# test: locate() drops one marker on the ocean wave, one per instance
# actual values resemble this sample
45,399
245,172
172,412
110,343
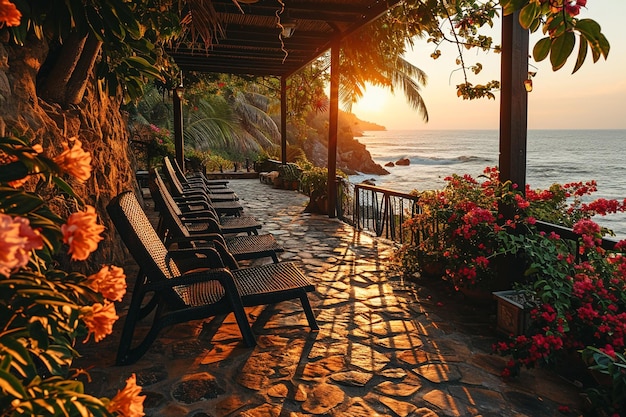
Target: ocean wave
437,160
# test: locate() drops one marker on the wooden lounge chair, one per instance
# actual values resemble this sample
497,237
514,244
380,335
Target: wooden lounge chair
207,289
229,208
203,219
198,176
174,231
216,194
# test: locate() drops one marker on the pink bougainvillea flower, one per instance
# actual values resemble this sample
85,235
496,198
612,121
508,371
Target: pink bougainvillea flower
110,281
17,239
128,402
9,15
99,319
82,233
75,161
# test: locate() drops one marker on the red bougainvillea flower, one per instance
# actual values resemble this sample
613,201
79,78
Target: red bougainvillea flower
82,233
572,7
9,15
128,402
110,281
99,319
75,161
17,239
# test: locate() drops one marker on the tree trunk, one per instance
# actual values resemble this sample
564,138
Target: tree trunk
80,77
55,84
96,120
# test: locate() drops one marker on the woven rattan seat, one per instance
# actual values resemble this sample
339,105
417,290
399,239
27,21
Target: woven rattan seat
179,286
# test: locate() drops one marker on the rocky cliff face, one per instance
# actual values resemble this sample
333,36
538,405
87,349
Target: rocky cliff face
352,156
96,120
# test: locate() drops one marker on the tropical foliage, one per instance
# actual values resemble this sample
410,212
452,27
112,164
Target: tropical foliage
44,310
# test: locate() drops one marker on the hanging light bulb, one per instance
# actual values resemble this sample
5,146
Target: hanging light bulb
528,85
528,82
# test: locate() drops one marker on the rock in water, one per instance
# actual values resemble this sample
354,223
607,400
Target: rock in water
403,161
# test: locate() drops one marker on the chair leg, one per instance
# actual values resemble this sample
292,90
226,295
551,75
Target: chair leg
244,327
308,311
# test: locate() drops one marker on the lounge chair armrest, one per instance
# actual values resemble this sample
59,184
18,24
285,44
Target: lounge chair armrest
186,204
202,227
204,257
229,260
199,238
201,214
223,275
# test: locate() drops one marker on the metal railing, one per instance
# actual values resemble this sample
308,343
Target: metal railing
376,210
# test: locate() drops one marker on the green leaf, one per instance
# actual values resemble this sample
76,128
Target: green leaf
143,66
528,14
65,187
542,49
603,46
111,22
11,385
582,54
13,171
561,49
128,19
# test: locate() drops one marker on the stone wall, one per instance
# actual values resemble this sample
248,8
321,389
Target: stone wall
96,120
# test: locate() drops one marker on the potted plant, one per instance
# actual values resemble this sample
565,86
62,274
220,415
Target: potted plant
289,176
314,183
424,255
575,305
458,225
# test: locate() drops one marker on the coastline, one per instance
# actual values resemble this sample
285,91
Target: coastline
553,156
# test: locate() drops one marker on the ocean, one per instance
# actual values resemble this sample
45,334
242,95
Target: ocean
553,156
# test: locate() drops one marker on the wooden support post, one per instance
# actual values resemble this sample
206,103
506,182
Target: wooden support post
179,144
283,119
513,123
332,128
513,101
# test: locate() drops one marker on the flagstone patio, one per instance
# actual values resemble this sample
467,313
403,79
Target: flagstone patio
386,347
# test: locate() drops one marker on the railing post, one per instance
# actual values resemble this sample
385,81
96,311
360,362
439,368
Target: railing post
357,207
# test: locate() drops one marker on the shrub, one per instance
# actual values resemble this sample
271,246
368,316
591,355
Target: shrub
45,310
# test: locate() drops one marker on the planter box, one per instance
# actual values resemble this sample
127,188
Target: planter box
512,315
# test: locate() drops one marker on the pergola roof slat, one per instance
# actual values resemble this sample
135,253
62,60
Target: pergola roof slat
250,42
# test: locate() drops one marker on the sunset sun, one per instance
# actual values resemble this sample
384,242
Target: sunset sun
373,101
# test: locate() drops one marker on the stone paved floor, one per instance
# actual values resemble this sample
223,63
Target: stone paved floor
385,348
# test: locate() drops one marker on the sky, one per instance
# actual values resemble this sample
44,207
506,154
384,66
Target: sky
592,98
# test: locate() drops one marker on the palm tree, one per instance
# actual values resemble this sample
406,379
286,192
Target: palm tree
374,55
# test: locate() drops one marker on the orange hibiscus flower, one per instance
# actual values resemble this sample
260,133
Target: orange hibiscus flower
110,281
128,402
17,239
99,319
9,15
75,161
82,233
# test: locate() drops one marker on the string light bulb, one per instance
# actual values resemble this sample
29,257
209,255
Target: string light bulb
528,82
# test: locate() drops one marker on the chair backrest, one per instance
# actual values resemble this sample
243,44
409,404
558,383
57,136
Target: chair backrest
176,187
140,237
178,171
170,210
160,194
